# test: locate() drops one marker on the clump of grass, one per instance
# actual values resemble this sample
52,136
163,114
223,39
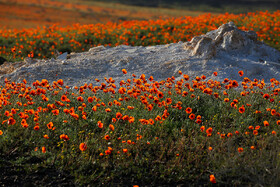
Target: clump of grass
141,131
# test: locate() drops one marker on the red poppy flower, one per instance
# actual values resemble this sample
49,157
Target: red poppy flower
241,73
124,71
192,116
242,109
36,127
83,147
90,99
266,96
265,123
209,130
100,125
80,98
212,179
118,115
107,137
188,110
240,149
50,125
44,149
111,127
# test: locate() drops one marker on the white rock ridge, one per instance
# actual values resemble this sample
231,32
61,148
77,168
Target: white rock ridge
226,50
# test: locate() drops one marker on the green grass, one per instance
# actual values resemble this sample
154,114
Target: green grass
168,152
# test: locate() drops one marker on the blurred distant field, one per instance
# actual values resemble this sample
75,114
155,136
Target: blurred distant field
221,6
32,13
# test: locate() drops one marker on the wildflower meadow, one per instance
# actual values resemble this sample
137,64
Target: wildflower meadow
46,42
192,131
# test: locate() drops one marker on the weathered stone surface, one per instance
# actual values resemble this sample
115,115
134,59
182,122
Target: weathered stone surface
227,38
63,56
226,50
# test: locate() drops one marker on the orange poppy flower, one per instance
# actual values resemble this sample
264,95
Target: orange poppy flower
108,152
229,135
150,107
100,125
209,130
202,128
44,149
83,147
241,73
198,121
226,99
46,136
160,95
64,137
94,108
240,149
188,110
114,120
273,112
63,98
90,99
111,127
232,104
50,125
60,81
192,116
80,98
265,123
55,112
124,71
212,179
130,107
36,127
108,110
84,117
125,118
107,137
11,121
266,96
242,109
118,115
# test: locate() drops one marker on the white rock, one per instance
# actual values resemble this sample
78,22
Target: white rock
63,56
226,50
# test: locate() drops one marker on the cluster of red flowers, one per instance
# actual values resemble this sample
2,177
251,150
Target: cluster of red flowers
43,43
150,96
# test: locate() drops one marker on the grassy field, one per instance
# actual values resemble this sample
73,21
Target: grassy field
33,13
192,132
141,132
46,42
220,6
